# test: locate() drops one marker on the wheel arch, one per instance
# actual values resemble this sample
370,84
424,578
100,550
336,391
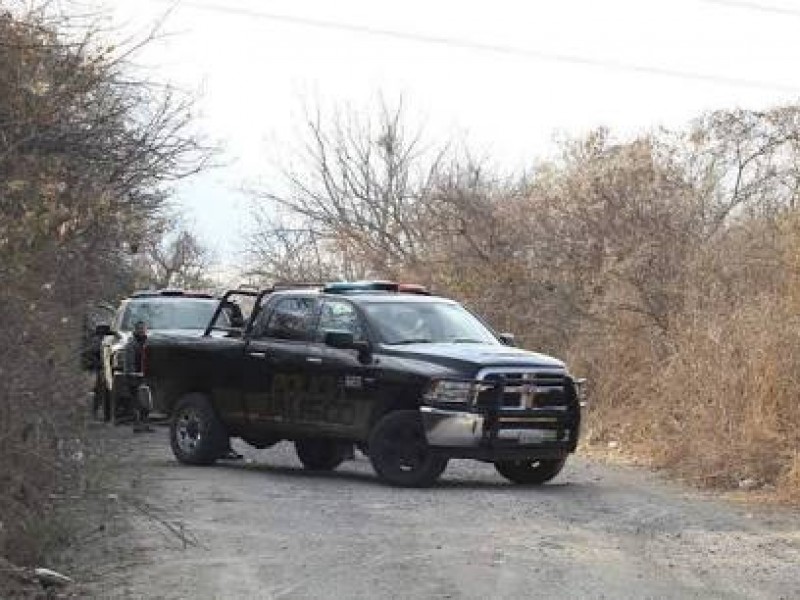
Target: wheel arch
394,402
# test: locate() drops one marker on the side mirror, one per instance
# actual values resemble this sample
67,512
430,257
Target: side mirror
506,338
343,340
103,330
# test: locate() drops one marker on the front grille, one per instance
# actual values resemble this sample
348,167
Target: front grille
527,389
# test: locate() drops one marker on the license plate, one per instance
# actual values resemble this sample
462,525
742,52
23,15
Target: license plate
535,436
529,436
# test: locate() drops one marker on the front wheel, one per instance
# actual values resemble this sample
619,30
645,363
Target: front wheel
530,472
321,455
399,452
196,434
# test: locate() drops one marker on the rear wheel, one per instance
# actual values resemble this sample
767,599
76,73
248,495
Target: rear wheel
321,455
197,436
400,453
101,400
114,406
530,472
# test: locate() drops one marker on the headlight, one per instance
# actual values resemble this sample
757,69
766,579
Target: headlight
444,391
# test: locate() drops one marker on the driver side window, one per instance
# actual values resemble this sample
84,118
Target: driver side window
338,315
291,319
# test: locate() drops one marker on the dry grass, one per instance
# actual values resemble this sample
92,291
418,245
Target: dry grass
718,408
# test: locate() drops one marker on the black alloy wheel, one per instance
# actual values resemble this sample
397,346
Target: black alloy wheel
197,436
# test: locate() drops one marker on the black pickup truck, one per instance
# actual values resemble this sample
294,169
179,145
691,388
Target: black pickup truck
409,378
171,311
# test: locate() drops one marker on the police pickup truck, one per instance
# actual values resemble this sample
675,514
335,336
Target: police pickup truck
410,378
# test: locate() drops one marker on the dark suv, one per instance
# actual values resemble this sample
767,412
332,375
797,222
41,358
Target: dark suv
411,379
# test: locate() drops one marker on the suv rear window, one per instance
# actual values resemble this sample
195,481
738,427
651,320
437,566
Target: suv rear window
170,313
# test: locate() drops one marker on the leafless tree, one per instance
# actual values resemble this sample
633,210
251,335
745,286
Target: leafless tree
745,162
360,185
178,260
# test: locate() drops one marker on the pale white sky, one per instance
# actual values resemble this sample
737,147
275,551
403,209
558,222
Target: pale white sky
254,72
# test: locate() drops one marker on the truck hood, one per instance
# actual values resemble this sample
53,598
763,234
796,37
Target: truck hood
471,357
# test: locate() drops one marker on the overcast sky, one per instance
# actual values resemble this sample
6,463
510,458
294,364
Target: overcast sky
506,76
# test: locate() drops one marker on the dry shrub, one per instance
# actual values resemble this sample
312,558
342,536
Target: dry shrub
42,399
789,482
85,152
728,396
717,407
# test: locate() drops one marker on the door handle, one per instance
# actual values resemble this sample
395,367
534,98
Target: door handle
314,359
258,354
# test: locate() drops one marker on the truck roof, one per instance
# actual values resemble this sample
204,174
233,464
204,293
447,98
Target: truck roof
363,295
374,289
391,297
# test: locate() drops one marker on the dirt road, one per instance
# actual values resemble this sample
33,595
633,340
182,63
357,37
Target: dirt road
266,529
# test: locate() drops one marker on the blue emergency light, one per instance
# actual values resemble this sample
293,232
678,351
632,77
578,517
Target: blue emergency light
341,287
347,287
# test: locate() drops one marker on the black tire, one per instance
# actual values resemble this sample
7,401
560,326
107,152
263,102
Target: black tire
101,399
320,455
530,472
114,407
399,452
109,406
196,434
120,406
261,443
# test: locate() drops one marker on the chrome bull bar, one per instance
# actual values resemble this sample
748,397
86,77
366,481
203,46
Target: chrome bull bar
495,426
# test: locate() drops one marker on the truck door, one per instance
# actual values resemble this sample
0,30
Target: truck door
275,363
342,386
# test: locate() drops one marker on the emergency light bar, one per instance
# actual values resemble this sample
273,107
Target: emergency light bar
360,286
344,287
413,288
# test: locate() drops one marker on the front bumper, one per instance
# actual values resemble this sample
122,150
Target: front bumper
494,433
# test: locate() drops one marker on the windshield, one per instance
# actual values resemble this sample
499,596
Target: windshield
172,313
426,322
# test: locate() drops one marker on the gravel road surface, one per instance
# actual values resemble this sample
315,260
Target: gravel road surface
264,528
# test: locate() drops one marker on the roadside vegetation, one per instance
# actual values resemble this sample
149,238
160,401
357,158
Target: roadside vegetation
665,269
87,151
